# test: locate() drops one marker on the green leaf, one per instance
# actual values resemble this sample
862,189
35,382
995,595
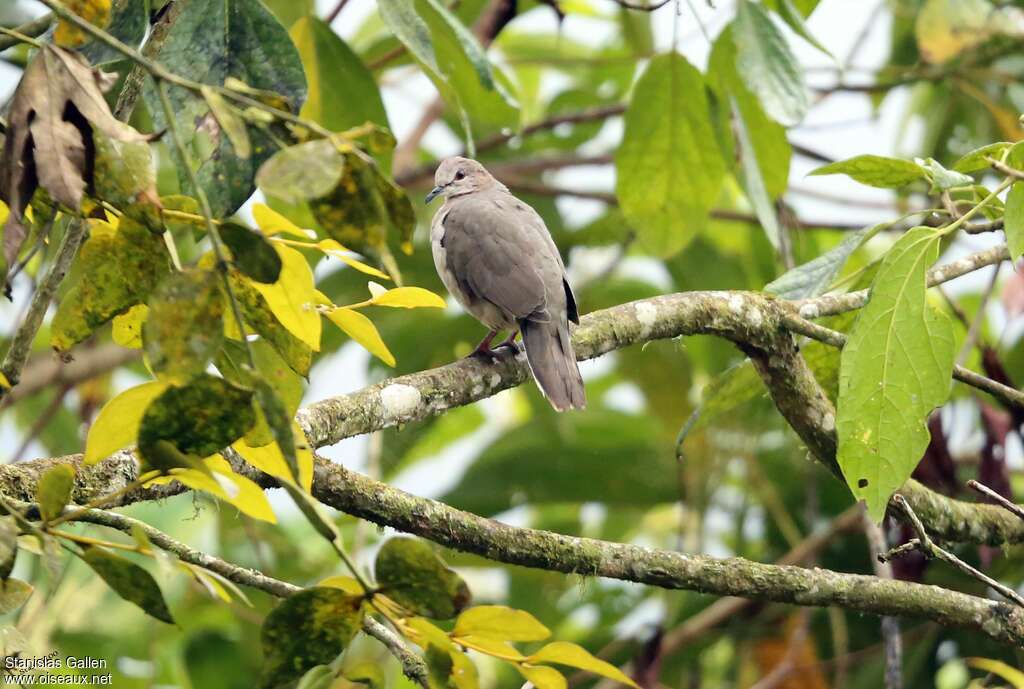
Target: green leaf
212,41
453,59
117,425
130,581
794,16
753,182
1014,221
307,629
302,172
573,655
117,268
183,330
814,277
198,419
500,622
977,159
766,63
13,594
329,61
943,179
875,171
771,148
667,137
251,253
895,369
53,491
410,573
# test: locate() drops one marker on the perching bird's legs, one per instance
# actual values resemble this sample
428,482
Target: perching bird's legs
510,341
484,348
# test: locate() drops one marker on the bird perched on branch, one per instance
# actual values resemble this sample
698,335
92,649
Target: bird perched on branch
496,257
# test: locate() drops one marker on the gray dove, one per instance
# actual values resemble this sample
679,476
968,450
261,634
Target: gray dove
496,257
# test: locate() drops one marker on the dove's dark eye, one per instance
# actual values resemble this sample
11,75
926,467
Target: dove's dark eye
459,175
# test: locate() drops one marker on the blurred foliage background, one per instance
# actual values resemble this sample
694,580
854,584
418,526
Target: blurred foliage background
914,78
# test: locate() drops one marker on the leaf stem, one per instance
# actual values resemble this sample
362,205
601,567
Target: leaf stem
1003,186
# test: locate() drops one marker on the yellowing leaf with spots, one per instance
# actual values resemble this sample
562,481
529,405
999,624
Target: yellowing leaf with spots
96,12
292,299
273,223
224,483
362,330
127,327
117,425
408,298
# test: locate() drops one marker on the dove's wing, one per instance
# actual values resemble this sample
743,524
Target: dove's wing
499,250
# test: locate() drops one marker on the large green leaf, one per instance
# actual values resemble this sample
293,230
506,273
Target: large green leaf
574,461
452,58
768,138
769,67
814,277
130,581
307,629
1014,220
211,41
329,62
116,269
895,370
875,171
668,169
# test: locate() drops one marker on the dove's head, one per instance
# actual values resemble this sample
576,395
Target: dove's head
457,175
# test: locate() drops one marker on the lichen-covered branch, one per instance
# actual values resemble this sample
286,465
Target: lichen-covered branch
379,503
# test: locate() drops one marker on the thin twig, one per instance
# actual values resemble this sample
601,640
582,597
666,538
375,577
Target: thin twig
890,626
1010,506
924,543
21,344
30,30
412,665
333,14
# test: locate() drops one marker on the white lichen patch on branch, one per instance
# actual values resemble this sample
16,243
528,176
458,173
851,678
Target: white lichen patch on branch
646,315
398,400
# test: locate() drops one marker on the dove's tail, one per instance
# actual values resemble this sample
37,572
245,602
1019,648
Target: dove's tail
553,363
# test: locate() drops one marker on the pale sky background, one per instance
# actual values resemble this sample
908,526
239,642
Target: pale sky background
836,23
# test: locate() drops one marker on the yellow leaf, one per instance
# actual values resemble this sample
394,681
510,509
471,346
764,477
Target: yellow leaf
127,328
1000,669
500,622
425,633
491,646
574,655
270,460
96,12
464,674
226,485
4,383
212,586
332,248
292,299
271,222
346,584
408,298
5,211
543,677
362,330
117,425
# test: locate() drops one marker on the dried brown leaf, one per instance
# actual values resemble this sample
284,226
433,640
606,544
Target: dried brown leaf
56,107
